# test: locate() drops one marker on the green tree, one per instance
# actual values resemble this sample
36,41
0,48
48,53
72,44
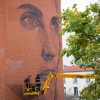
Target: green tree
84,42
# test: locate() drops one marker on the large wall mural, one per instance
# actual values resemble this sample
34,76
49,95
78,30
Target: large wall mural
32,46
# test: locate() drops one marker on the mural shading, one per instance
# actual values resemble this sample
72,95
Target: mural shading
32,46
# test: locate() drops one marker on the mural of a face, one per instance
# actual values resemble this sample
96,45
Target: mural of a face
33,44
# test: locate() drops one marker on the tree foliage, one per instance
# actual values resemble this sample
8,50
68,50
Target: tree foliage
84,43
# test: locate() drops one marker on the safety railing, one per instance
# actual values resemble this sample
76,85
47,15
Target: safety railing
29,88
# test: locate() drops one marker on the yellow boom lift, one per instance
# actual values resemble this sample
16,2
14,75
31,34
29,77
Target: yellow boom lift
45,85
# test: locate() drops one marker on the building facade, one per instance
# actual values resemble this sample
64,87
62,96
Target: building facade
73,86
29,45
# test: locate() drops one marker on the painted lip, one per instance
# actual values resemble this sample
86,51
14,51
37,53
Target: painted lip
46,72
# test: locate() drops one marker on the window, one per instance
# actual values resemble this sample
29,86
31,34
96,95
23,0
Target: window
64,90
75,80
75,90
88,80
64,81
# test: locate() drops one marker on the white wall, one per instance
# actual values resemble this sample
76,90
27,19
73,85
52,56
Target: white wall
80,84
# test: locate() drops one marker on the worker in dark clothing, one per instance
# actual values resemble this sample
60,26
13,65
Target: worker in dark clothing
27,81
38,83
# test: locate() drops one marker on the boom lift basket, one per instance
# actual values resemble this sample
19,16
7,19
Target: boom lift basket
32,89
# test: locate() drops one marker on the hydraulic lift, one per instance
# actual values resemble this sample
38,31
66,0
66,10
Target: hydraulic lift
44,85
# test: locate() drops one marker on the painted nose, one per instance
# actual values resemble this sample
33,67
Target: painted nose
48,53
49,49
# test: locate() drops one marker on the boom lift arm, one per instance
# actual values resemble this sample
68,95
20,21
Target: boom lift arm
57,75
60,75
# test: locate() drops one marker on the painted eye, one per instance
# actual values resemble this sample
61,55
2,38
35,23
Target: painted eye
54,24
29,20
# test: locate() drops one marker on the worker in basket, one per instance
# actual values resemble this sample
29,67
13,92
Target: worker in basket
38,83
27,82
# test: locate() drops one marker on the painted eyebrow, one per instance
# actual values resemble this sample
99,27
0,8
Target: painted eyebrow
33,8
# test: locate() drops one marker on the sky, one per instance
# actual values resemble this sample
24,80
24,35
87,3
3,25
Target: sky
81,4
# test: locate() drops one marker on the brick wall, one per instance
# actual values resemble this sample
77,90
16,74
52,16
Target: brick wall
30,45
2,51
